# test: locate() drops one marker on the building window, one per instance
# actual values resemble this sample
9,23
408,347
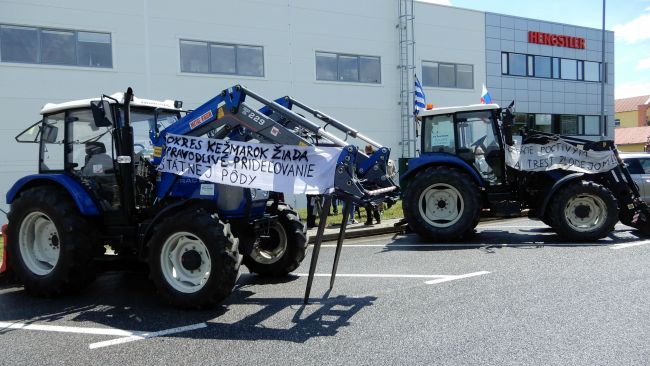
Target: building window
342,67
220,58
591,125
580,68
568,125
447,75
518,64
58,47
543,123
523,120
55,46
542,67
568,69
592,71
617,123
556,68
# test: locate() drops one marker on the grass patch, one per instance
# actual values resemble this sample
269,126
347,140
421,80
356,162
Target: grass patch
394,212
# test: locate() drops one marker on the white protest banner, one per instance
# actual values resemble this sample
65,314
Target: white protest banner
558,154
279,168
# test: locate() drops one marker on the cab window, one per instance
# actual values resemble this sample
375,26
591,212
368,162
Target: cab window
439,134
51,152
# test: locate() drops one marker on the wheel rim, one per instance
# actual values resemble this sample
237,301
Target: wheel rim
185,262
585,212
270,250
39,243
441,205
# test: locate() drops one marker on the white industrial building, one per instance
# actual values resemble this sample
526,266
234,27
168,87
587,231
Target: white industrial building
347,58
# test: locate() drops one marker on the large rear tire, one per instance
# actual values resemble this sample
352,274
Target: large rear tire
50,245
584,211
193,259
284,248
442,203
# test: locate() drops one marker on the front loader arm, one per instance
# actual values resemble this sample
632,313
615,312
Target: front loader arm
228,115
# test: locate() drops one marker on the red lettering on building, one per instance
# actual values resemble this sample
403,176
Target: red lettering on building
557,40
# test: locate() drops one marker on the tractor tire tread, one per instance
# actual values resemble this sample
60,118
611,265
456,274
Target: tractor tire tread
461,230
75,267
296,250
557,217
224,254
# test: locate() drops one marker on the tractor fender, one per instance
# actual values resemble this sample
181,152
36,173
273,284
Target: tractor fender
167,211
556,186
423,161
79,195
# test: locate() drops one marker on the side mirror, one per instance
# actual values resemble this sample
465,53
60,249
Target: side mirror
50,134
102,113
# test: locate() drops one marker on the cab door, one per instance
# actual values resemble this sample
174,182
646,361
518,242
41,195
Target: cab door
89,157
478,144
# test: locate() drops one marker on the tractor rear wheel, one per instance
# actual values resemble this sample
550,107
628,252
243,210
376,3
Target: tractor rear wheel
193,259
283,249
584,211
442,203
50,245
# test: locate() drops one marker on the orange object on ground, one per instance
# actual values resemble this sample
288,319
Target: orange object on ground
3,264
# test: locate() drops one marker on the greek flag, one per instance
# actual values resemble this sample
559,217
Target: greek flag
419,102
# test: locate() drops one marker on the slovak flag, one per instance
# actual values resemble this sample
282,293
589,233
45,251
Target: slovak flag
420,100
485,96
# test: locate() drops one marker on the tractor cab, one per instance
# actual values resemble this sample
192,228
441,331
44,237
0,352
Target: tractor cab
469,133
73,143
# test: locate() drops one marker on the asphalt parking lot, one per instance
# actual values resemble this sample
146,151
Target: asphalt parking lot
515,294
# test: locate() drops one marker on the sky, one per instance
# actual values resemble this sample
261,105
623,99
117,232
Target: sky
629,19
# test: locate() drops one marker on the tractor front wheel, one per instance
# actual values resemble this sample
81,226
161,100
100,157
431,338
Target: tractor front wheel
193,259
584,211
50,245
282,249
442,203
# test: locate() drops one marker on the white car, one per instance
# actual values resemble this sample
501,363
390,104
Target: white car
639,166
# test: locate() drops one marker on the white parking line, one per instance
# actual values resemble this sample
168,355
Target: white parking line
388,245
141,335
458,277
628,245
435,278
127,335
64,329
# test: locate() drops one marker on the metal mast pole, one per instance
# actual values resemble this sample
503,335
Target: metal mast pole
407,81
603,77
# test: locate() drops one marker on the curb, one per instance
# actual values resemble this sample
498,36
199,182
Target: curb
359,233
390,229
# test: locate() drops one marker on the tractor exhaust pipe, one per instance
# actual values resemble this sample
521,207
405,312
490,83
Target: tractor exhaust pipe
125,159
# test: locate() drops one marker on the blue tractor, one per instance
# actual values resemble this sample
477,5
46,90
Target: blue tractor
97,187
462,171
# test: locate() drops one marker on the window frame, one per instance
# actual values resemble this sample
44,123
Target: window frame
455,66
208,47
39,45
338,67
555,67
556,123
